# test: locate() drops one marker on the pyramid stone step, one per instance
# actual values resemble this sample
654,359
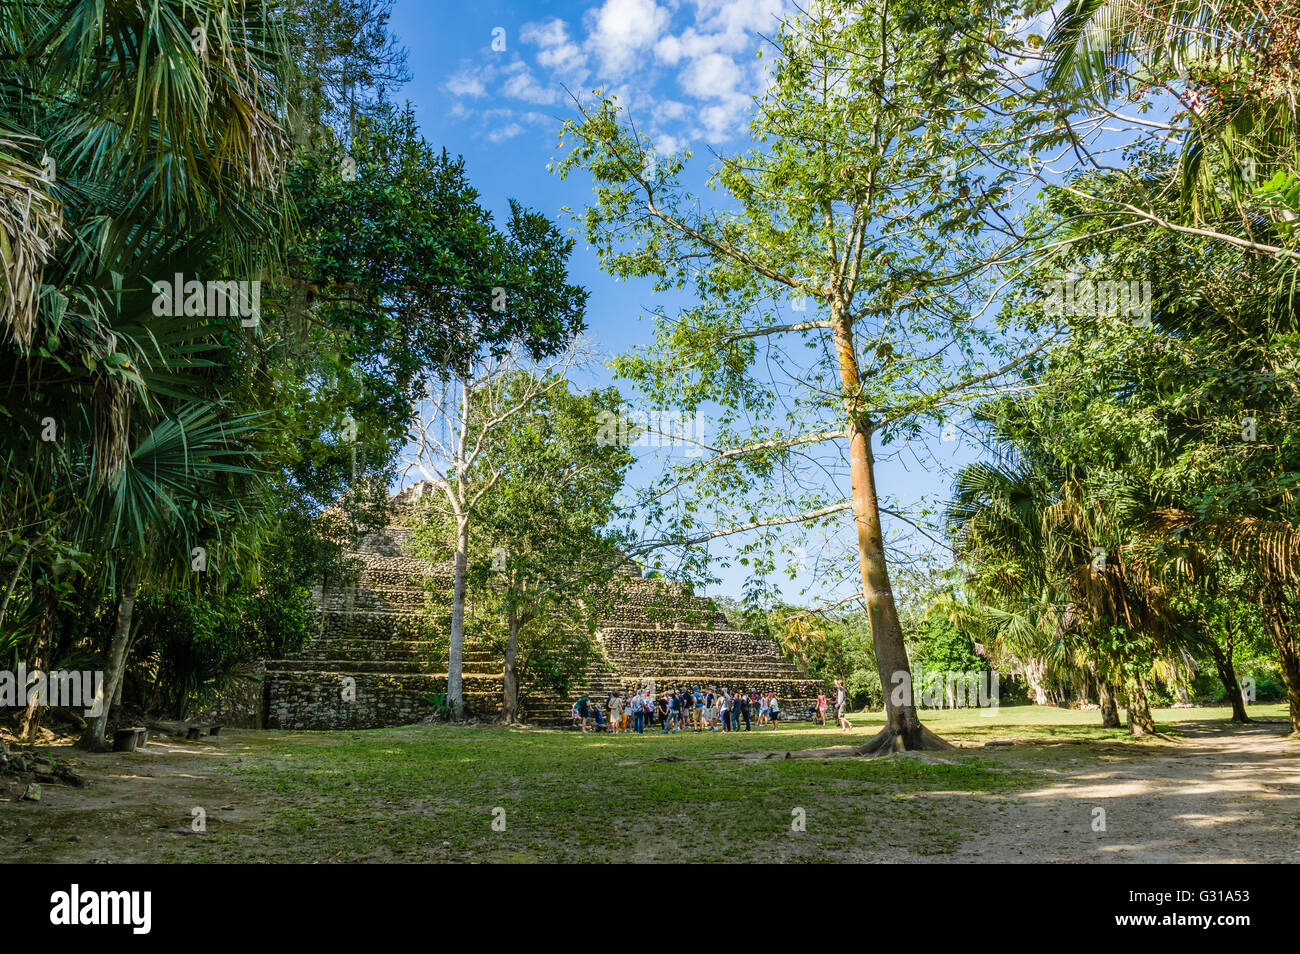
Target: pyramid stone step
362,598
349,666
383,639
402,627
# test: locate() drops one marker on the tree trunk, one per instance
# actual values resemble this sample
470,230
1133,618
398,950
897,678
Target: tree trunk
324,601
1228,676
1034,671
1105,701
1109,709
121,674
456,654
509,679
32,717
1140,721
93,736
1272,600
903,729
1182,678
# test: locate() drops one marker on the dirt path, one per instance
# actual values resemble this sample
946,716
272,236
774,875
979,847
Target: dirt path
1223,794
132,807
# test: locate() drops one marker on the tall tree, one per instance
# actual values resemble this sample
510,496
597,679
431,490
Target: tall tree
849,210
454,432
546,553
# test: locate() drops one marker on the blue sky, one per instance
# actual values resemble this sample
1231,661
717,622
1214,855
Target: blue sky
686,69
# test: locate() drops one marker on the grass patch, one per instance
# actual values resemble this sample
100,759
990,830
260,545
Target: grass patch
425,793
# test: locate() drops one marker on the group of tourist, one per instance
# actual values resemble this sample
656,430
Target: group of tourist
699,709
696,709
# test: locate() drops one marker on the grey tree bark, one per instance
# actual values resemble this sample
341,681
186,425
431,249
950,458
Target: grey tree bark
509,678
456,654
93,735
1140,721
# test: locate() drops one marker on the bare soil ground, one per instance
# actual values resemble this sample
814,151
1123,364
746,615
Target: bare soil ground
132,807
1217,794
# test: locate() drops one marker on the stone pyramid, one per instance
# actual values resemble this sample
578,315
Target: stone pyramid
372,663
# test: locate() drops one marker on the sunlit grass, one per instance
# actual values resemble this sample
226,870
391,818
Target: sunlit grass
433,792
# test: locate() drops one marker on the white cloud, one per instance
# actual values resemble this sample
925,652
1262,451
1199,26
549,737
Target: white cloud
468,82
620,29
670,109
741,18
711,77
686,68
718,80
521,84
730,26
557,51
549,35
667,144
673,49
502,133
725,119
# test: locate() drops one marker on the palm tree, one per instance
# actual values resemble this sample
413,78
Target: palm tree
1064,577
179,487
136,141
1227,66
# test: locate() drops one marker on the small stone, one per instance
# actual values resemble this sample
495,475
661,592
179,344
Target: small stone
33,793
20,764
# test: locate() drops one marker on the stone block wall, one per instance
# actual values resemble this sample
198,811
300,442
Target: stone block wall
240,705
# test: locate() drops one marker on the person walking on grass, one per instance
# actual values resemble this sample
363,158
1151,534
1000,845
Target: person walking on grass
584,711
821,707
840,706
616,718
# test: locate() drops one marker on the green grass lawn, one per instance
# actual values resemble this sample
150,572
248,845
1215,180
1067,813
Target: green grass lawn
432,792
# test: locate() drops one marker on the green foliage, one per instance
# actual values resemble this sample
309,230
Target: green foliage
541,551
851,209
941,645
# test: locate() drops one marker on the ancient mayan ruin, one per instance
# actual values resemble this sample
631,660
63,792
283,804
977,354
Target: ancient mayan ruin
376,634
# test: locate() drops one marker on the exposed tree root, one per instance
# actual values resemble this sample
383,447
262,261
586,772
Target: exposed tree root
886,742
889,740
